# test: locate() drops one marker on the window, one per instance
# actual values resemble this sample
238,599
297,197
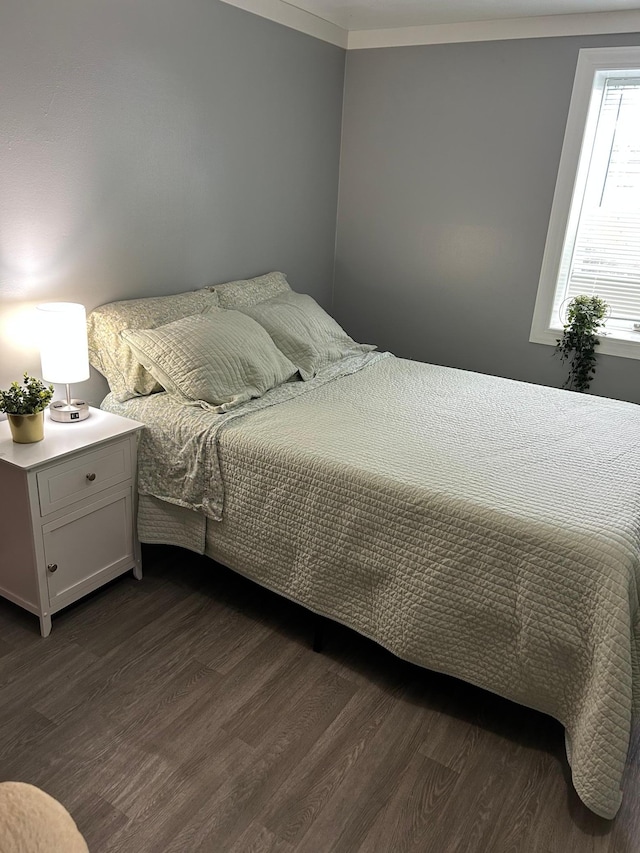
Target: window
593,242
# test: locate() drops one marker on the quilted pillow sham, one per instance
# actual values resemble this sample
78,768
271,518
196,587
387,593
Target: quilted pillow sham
304,332
110,353
218,358
244,292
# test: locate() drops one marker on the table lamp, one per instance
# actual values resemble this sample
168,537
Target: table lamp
64,355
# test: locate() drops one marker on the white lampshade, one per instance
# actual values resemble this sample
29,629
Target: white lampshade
63,342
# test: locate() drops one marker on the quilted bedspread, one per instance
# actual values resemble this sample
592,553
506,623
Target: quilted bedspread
481,527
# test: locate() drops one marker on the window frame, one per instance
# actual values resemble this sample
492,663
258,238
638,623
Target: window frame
580,130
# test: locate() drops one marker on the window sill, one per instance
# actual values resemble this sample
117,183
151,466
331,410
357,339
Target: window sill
624,344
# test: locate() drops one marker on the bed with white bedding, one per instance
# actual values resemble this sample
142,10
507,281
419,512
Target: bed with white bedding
477,526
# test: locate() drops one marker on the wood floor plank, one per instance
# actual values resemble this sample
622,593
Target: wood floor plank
80,756
626,830
5,647
450,741
97,819
40,671
18,627
482,785
20,731
258,839
517,823
254,718
174,801
342,825
215,709
296,804
91,620
310,713
405,824
144,660
560,829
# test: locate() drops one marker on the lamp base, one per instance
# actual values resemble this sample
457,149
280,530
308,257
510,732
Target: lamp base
60,410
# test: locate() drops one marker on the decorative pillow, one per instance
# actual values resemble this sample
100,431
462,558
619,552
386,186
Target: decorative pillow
219,357
244,292
109,352
304,332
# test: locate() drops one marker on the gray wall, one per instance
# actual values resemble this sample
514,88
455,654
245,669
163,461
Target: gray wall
155,146
448,167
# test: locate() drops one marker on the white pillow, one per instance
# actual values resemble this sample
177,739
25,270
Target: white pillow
218,358
304,332
113,357
244,292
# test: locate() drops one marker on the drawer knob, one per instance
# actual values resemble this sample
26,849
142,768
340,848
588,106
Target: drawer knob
53,567
91,477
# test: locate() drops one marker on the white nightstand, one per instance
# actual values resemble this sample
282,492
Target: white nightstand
67,512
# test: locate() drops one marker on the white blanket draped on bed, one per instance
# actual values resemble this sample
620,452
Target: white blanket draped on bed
485,528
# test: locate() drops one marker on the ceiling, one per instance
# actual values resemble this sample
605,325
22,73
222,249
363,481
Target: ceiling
356,24
388,14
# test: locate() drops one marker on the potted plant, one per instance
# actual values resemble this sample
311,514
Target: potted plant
24,405
585,315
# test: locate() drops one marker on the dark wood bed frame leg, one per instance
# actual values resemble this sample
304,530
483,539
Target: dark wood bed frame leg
319,623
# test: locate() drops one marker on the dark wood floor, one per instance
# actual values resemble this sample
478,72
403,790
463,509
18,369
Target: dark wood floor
187,712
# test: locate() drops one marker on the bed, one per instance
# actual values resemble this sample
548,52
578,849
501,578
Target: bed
477,526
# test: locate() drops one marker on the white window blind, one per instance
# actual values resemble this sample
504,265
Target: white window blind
601,253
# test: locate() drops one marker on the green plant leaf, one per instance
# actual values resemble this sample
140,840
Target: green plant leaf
585,315
26,399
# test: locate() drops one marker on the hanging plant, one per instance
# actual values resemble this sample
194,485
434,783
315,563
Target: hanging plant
585,315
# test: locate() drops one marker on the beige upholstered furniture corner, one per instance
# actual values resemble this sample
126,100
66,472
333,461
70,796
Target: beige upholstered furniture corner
33,822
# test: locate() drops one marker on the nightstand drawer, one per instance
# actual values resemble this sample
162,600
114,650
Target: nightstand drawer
83,475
